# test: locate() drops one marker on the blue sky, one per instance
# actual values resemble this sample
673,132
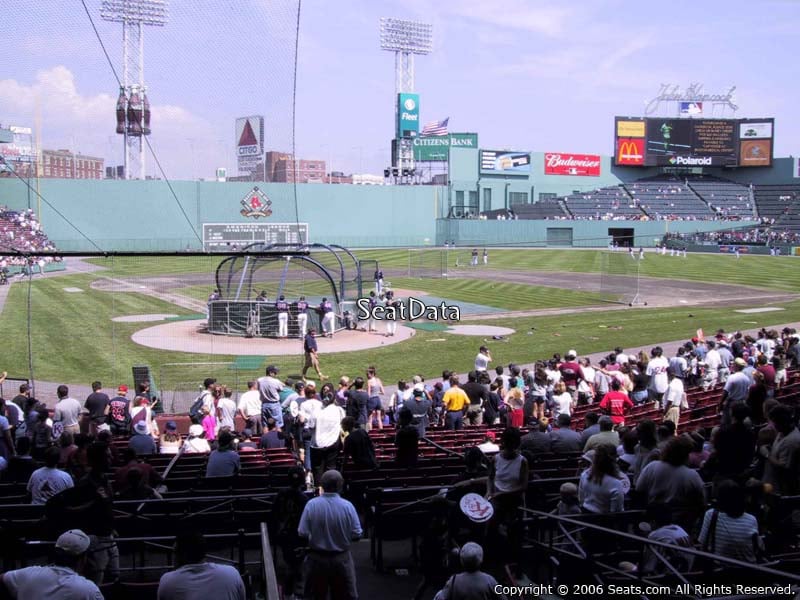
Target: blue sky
524,74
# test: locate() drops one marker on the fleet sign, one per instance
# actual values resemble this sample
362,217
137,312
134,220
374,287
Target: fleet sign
557,163
433,148
407,115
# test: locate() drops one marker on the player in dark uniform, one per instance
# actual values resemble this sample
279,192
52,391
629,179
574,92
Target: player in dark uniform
282,308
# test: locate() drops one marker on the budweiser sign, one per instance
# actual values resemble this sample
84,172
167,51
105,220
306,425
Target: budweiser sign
571,164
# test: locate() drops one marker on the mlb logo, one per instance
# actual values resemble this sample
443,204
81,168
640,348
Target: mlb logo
689,109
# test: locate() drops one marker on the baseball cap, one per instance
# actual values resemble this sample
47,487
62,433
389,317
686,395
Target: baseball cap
272,369
123,388
196,430
419,387
491,435
740,362
572,354
418,392
73,542
171,426
416,379
140,427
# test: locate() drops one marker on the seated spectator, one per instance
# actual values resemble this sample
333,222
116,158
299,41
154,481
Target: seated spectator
537,440
590,427
627,451
66,445
272,438
358,446
41,433
489,445
130,461
604,436
564,440
196,443
727,529
646,449
195,578
667,533
244,443
669,481
141,441
471,582
48,480
21,465
406,440
61,579
171,441
601,488
136,487
224,461
209,423
568,503
699,454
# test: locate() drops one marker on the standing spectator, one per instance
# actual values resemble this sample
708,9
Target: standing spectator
331,524
358,445
47,481
616,403
483,359
22,398
67,411
478,397
310,349
195,578
141,412
657,369
782,466
118,414
62,579
224,461
97,404
327,437
572,373
601,488
41,433
375,392
141,441
406,441
358,402
6,438
269,386
471,583
419,407
250,407
209,424
674,399
226,410
455,403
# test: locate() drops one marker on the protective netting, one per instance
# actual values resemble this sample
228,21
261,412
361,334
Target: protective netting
619,275
428,263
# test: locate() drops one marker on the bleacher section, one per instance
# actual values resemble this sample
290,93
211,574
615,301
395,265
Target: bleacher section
603,204
727,199
21,232
780,203
544,209
664,197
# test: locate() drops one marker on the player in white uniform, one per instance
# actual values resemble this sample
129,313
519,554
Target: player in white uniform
328,317
302,316
282,308
391,324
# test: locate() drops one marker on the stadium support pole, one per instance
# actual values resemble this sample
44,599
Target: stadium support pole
637,299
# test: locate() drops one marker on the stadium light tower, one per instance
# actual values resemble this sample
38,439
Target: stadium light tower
133,106
405,39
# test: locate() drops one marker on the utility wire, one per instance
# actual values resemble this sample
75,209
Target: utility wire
53,208
147,141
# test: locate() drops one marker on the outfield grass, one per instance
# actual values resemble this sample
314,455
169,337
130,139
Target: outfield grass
75,340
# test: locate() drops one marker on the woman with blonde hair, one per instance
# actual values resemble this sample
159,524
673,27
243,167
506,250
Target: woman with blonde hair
515,400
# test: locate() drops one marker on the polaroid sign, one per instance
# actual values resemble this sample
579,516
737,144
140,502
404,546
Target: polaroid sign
407,115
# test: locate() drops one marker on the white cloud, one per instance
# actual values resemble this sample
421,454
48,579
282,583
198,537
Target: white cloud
514,14
186,144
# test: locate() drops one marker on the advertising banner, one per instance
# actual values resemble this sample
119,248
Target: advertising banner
796,168
21,148
249,142
632,129
557,163
433,148
755,153
755,130
501,162
407,115
630,152
690,109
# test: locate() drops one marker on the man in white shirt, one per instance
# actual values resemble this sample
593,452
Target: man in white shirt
674,398
270,388
48,481
307,417
250,407
657,370
483,359
713,362
67,411
61,579
226,410
197,579
327,437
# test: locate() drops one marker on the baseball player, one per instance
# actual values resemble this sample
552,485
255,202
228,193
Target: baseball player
282,308
328,316
302,316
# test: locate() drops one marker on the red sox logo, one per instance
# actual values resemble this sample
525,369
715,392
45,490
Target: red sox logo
256,204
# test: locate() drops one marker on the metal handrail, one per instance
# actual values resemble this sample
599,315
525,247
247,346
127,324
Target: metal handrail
271,591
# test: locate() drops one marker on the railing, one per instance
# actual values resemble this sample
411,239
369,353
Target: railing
270,580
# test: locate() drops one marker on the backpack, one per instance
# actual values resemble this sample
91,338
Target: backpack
195,410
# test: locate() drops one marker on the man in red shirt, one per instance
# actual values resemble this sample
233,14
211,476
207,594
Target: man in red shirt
571,373
615,403
768,371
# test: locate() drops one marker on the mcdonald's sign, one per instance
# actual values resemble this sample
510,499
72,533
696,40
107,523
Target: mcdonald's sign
630,151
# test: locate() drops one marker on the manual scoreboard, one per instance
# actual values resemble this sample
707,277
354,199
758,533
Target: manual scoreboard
220,237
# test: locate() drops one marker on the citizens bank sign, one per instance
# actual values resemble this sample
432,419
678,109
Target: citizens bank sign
556,163
433,148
